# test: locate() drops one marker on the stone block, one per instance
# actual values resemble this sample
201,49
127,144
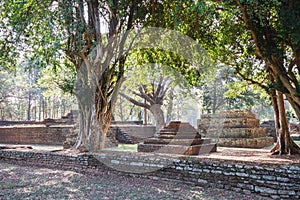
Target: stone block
176,141
178,149
178,138
244,142
235,129
265,190
228,123
235,133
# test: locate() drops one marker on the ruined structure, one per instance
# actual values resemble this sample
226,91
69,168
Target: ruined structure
270,128
237,128
178,138
34,134
119,133
46,132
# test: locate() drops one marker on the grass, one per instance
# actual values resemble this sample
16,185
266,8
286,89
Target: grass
124,147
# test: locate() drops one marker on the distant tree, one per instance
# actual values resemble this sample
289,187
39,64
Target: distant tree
154,76
152,96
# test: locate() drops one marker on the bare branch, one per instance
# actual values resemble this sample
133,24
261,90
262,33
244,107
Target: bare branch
135,102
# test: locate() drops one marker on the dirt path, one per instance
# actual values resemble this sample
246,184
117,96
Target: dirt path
29,182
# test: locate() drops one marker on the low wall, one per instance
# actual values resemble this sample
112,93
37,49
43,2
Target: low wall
11,123
277,181
58,134
53,135
133,134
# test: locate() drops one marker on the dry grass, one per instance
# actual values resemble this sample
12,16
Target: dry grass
24,182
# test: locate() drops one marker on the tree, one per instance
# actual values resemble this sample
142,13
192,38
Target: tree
154,76
152,97
275,32
260,39
91,34
100,75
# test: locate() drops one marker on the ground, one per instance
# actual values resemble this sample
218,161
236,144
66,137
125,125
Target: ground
30,182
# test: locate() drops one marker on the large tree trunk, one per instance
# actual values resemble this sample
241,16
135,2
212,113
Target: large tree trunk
158,115
285,144
92,128
96,103
87,120
170,107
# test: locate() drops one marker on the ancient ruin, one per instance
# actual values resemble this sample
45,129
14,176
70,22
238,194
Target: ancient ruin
237,128
178,138
270,128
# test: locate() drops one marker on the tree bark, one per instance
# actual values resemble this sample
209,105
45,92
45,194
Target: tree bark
158,115
170,107
285,144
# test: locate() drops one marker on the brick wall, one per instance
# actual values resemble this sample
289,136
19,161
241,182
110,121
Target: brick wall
277,181
53,135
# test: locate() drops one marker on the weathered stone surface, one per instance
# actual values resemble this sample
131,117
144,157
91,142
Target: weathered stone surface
231,114
178,138
234,129
131,134
177,149
206,123
236,132
270,128
199,170
53,135
244,142
176,141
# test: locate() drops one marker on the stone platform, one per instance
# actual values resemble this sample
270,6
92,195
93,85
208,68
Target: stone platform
178,138
237,128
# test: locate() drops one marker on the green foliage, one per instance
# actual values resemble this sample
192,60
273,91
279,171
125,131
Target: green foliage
29,30
170,63
54,80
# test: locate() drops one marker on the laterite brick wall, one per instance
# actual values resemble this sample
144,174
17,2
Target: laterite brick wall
277,181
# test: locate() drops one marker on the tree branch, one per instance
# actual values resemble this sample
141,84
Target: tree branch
253,81
144,95
135,102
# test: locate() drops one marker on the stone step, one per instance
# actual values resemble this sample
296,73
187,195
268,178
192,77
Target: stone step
185,142
235,133
230,114
188,129
178,149
179,133
167,131
245,142
207,123
179,136
175,124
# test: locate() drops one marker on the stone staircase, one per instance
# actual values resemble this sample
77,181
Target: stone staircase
178,138
133,134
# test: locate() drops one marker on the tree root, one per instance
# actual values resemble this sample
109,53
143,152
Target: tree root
291,149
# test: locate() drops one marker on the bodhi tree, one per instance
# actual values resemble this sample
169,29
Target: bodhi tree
259,39
152,95
91,35
153,79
